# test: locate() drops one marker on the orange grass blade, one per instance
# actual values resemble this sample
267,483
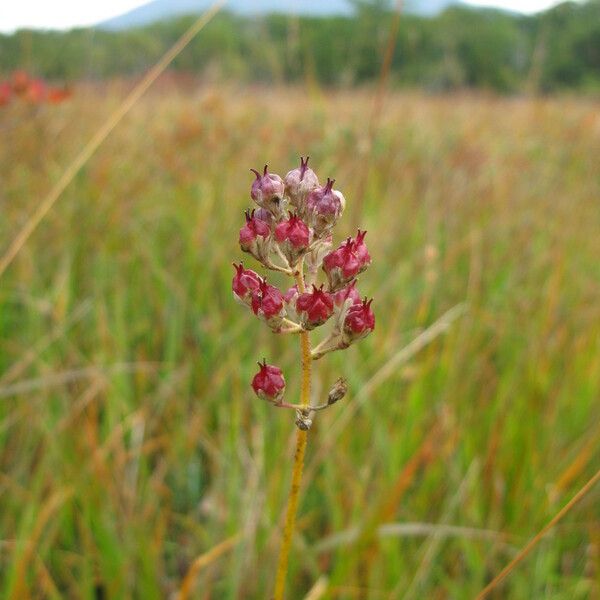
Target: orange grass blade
113,120
533,542
202,561
53,504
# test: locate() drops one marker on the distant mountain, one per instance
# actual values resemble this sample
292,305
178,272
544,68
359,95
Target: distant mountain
159,10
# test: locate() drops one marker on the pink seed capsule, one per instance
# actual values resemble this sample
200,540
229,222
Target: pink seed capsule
294,231
291,295
253,229
294,236
269,383
323,207
314,308
361,251
299,183
264,215
245,282
346,262
267,303
255,237
350,291
267,191
359,322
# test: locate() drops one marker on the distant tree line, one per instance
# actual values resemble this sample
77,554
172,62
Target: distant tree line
460,48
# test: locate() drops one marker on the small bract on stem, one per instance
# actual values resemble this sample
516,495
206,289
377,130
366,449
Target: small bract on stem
291,232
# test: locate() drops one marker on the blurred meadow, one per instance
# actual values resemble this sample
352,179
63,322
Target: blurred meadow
130,440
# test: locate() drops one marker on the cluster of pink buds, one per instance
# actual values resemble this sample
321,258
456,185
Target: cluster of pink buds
291,232
31,90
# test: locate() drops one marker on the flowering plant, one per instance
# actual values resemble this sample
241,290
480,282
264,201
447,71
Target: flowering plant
291,232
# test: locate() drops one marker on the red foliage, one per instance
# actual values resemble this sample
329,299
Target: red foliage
31,90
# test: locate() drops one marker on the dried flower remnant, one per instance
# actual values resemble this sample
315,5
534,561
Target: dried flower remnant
291,232
337,392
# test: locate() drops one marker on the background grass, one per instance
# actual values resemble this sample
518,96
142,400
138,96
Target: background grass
130,441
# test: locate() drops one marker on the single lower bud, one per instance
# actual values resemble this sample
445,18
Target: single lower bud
269,383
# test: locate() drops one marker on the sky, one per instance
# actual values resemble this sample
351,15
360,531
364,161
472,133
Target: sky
62,14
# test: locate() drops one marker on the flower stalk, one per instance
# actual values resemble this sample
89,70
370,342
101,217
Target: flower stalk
301,441
301,240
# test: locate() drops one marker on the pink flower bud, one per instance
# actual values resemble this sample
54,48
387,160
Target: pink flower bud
295,231
269,383
253,229
267,303
314,308
267,191
350,291
359,322
245,282
345,263
361,251
294,237
255,237
299,183
324,206
291,295
264,215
